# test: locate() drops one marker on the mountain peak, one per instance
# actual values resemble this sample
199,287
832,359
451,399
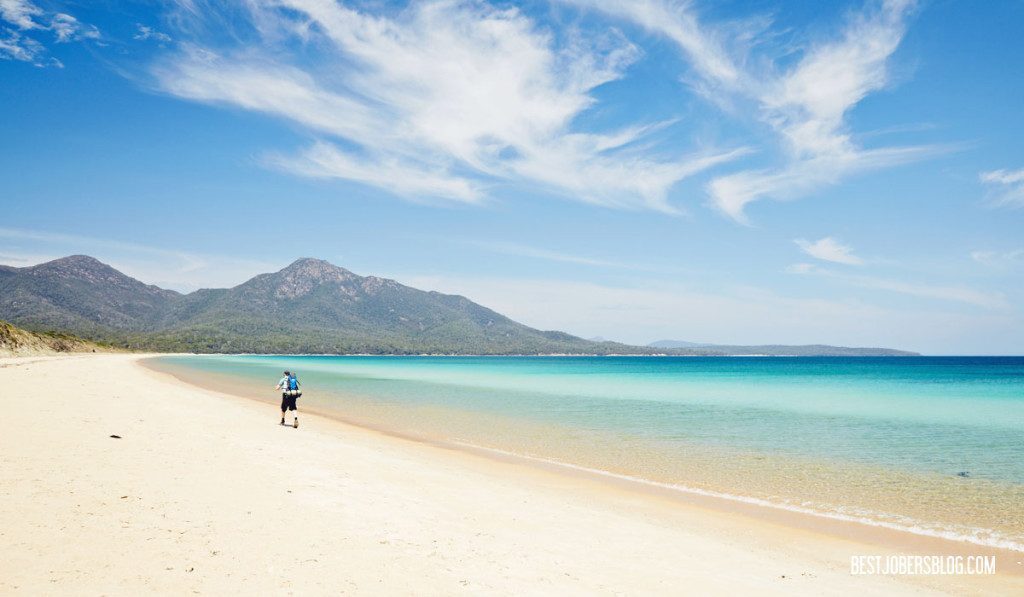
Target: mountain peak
310,262
81,267
315,268
78,262
80,291
304,274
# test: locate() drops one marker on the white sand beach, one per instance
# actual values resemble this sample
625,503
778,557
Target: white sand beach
204,493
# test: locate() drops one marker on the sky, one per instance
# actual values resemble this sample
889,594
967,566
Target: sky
731,172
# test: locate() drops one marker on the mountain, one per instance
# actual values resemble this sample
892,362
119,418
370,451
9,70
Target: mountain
81,294
311,306
810,350
314,306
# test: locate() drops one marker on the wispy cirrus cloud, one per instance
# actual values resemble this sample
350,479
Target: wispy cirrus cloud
406,176
144,32
999,259
61,240
443,99
829,249
27,19
21,13
640,315
68,28
1006,187
733,192
958,294
532,252
169,268
807,107
805,103
15,46
708,49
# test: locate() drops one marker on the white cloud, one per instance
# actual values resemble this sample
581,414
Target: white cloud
807,107
21,13
405,177
264,86
677,22
801,269
808,104
634,315
547,255
828,249
956,294
731,316
145,33
996,259
29,18
178,270
804,104
57,239
19,47
1003,177
64,27
68,28
459,94
1007,187
557,256
15,44
733,192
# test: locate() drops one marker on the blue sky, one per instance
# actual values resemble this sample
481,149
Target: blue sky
743,172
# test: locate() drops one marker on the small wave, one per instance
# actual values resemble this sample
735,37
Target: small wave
976,536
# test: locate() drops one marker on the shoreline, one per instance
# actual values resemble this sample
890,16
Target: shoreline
847,527
897,530
204,492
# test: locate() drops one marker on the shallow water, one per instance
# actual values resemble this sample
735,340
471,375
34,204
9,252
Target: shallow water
934,445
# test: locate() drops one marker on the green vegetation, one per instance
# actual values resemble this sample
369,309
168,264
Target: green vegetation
16,341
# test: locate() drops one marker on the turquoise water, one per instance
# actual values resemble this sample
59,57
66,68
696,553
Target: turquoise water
932,445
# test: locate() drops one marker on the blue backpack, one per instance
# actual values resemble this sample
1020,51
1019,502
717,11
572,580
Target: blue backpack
292,389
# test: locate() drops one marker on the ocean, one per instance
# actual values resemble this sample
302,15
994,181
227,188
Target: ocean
929,445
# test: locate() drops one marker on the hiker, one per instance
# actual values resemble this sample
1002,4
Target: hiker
289,385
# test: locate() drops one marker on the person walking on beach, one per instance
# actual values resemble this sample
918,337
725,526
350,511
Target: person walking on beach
289,385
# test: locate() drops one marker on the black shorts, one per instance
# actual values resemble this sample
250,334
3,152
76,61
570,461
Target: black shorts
287,402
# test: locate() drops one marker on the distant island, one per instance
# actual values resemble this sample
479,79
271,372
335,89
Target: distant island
781,350
309,307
